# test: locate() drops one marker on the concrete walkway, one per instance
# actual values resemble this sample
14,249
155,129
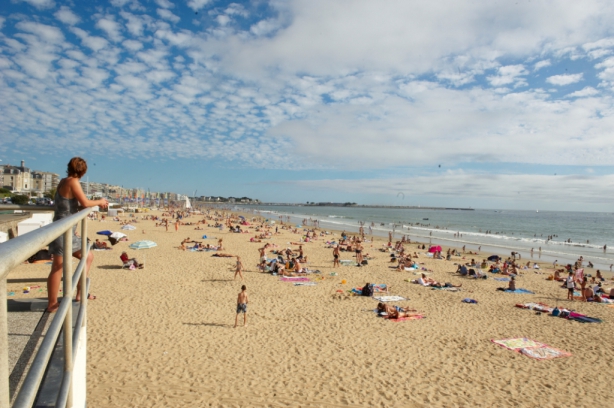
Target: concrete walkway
27,324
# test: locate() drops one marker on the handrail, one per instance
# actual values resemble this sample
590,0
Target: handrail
10,207
15,252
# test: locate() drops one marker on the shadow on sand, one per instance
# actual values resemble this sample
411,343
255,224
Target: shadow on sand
209,324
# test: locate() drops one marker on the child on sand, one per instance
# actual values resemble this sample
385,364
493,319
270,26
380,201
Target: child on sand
239,270
242,301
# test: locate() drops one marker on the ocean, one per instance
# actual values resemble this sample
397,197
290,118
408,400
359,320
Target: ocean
496,231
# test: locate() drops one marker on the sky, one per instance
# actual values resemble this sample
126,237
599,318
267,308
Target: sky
482,104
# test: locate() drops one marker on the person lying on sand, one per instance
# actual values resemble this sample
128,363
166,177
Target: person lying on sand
222,255
395,312
426,281
100,245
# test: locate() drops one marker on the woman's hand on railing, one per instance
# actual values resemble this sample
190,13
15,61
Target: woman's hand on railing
103,203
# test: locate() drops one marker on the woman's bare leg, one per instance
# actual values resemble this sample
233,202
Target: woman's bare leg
88,264
53,283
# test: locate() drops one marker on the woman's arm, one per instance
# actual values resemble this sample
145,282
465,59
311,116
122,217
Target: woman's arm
77,192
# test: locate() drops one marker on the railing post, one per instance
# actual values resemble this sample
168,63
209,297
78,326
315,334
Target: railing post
67,280
4,348
85,251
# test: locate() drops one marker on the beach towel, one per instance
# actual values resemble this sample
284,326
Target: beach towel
531,348
305,283
388,298
451,289
502,279
403,319
520,290
294,279
468,300
539,307
412,268
579,317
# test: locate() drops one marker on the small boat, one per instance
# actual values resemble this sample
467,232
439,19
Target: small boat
425,219
536,211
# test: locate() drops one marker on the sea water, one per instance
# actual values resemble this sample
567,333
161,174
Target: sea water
499,231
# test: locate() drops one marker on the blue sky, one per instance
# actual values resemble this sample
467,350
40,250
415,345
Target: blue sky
473,103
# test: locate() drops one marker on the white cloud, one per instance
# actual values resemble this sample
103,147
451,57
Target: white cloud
165,4
531,188
168,15
236,9
66,16
541,64
264,27
508,74
136,24
111,28
44,32
40,4
197,4
601,43
607,66
2,20
133,45
587,91
95,43
120,3
222,19
565,79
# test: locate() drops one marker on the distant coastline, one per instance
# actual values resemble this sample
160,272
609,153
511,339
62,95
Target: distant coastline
396,207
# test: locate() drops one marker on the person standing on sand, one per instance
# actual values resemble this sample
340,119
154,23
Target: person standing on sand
242,301
239,269
336,257
177,225
570,286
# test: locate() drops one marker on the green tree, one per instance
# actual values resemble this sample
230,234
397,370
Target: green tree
50,194
20,199
5,191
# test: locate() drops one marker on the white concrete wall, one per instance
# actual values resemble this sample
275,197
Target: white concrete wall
79,372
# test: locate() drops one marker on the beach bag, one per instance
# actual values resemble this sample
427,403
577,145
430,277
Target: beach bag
364,262
367,290
556,311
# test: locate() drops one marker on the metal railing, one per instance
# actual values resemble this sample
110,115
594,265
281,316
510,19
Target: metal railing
13,253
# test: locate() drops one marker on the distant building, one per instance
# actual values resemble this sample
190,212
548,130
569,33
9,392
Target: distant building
43,181
17,178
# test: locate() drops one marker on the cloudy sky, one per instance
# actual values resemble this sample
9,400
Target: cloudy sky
488,104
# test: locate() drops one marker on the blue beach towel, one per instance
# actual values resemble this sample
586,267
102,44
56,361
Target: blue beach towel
502,279
520,290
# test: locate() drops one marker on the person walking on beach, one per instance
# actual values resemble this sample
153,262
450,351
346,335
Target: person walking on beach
239,269
242,301
336,257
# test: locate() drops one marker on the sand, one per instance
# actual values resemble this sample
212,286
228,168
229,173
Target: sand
163,336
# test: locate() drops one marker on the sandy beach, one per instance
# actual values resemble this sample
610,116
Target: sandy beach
163,336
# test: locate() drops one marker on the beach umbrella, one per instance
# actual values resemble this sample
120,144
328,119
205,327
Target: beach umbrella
435,248
240,216
105,232
204,237
146,244
129,227
143,244
115,237
493,258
